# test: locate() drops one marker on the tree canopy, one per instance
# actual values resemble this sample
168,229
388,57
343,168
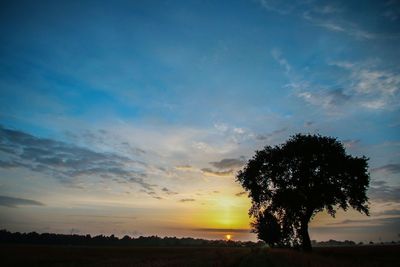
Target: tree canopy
289,183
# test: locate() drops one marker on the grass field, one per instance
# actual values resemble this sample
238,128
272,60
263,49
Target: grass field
37,255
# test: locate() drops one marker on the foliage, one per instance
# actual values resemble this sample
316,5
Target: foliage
294,181
268,229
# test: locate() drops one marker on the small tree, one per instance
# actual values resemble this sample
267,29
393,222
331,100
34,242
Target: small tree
290,183
268,229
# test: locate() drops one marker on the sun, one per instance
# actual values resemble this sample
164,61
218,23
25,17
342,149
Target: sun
228,237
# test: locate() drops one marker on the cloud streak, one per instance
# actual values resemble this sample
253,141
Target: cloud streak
183,200
240,194
362,85
389,168
168,192
382,192
219,230
14,202
210,172
67,162
229,163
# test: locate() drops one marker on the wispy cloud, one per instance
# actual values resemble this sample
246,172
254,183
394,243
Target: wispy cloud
222,230
151,193
269,136
277,55
184,167
13,202
392,212
67,162
240,194
280,7
389,168
210,172
351,143
392,10
328,9
229,163
383,192
328,99
168,191
364,85
328,16
376,88
103,216
187,200
339,25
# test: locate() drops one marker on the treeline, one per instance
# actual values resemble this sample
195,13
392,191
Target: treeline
333,243
102,240
349,243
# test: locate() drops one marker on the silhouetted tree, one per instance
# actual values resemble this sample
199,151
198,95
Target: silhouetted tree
267,229
294,181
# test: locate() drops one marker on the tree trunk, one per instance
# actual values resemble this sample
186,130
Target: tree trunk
305,237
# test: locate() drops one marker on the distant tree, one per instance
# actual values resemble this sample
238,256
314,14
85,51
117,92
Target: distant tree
290,183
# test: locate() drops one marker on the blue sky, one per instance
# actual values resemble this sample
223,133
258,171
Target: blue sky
132,117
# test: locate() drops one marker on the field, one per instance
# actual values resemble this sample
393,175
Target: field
38,255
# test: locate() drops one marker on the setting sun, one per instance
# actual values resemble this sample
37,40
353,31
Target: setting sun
228,237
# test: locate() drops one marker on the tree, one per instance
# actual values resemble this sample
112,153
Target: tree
268,229
292,182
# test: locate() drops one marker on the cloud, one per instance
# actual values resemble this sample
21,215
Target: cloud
373,222
103,138
377,183
8,164
329,99
240,194
221,127
382,192
184,167
13,202
218,230
309,124
349,143
234,135
389,168
327,9
373,226
361,85
374,88
276,6
277,55
229,163
103,216
324,17
152,194
67,162
210,172
392,212
392,11
271,135
168,192
351,222
187,200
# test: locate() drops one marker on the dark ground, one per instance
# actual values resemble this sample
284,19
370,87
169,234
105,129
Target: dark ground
40,255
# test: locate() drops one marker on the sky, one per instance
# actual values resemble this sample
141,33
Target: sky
133,117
